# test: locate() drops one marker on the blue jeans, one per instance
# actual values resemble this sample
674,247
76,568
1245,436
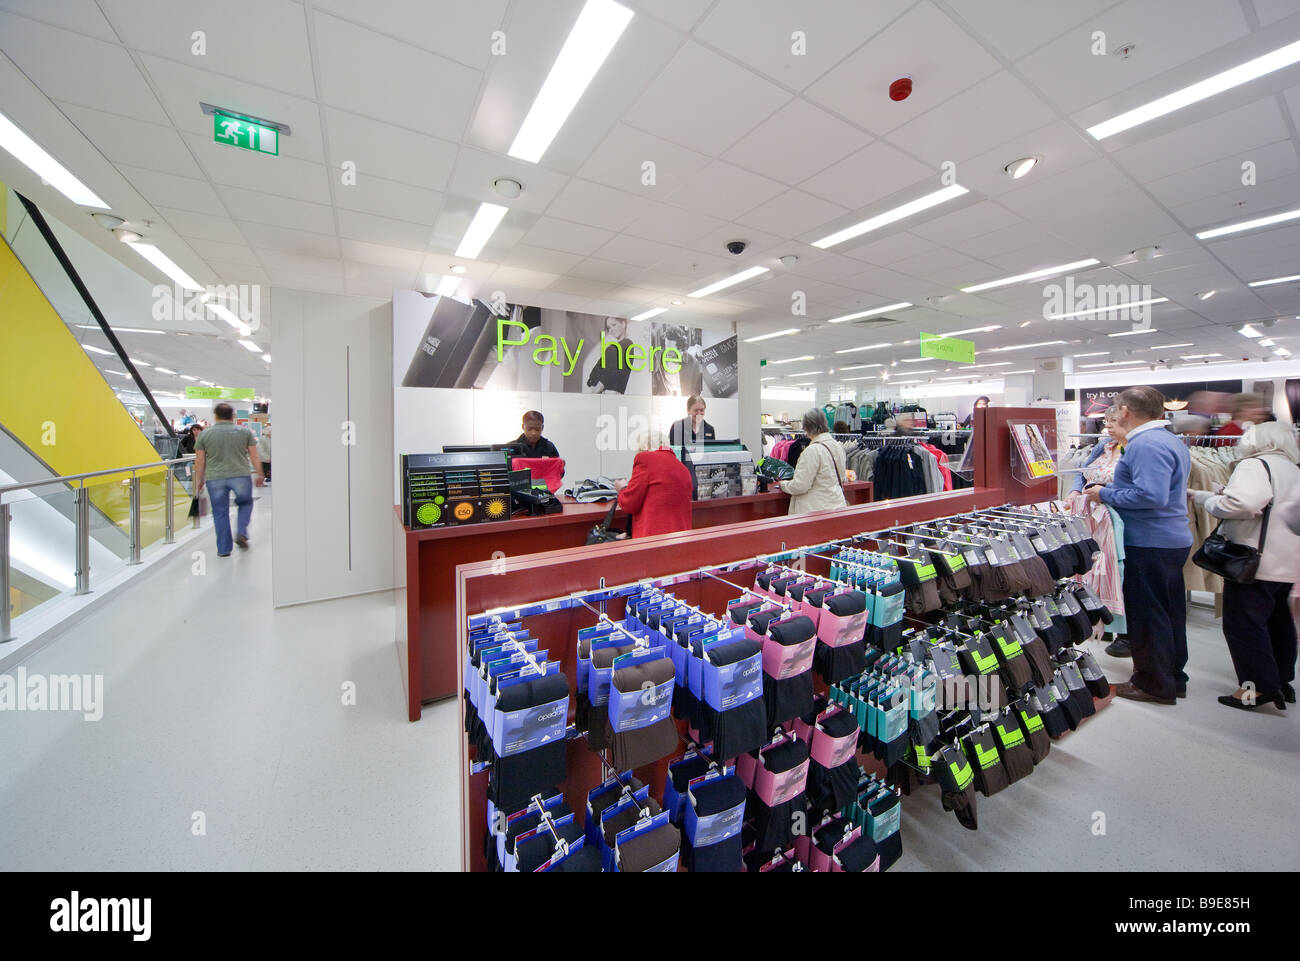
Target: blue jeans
219,492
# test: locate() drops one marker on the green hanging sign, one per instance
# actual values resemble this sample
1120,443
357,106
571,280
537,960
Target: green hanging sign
220,393
952,349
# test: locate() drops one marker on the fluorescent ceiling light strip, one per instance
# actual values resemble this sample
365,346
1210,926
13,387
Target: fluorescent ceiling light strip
1006,372
654,312
1249,225
1114,363
790,360
123,330
480,230
1095,353
869,313
447,286
1164,347
1133,333
1041,343
728,282
967,377
1274,280
1000,363
969,330
97,350
862,366
868,377
1266,342
777,333
890,216
164,263
1110,309
34,157
164,370
806,373
1243,73
117,373
1248,331
1032,275
187,377
764,380
140,363
249,345
850,350
226,314
1196,356
207,383
593,36
917,360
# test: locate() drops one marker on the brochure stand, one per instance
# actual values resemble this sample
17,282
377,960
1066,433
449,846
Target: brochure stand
1032,449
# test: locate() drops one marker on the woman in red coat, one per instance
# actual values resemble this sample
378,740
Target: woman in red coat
657,497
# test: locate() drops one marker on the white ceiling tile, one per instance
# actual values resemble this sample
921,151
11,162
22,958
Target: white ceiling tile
725,191
1265,198
475,172
965,126
637,251
124,140
725,101
517,277
761,33
606,271
227,253
388,198
546,261
77,69
197,226
1063,193
796,142
284,175
356,251
983,218
262,41
1220,176
760,247
1015,237
168,190
239,273
874,172
673,225
620,162
695,267
377,276
569,237
683,14
355,225
324,283
74,15
892,249
374,75
940,260
263,238
1205,141
262,208
277,260
1167,34
455,218
456,30
924,43
382,150
1015,28
584,202
581,287
792,213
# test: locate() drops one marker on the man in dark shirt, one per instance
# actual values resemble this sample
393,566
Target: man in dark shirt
531,442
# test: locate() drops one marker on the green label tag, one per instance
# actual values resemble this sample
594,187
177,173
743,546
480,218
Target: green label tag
987,759
1009,646
962,774
1011,738
925,572
985,664
1033,722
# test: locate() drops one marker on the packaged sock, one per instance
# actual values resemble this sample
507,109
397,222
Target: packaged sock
742,727
1036,736
788,651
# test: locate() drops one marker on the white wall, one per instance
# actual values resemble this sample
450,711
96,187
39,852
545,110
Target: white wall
333,522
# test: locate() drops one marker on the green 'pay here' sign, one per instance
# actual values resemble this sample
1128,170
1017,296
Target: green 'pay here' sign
948,348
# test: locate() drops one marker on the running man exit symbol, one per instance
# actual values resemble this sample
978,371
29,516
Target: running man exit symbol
237,132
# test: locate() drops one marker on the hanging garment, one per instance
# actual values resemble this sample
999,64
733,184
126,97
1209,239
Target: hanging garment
779,782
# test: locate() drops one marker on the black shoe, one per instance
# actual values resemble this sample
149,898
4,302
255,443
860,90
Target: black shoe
1227,700
1119,648
1288,693
223,555
1134,693
242,541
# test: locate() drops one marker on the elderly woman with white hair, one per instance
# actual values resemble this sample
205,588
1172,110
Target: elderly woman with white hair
818,481
1257,620
657,497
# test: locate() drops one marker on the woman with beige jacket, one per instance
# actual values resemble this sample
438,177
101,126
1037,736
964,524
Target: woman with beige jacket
819,476
1257,620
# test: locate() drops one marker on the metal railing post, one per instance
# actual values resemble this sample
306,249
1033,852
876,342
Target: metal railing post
134,557
5,633
81,503
170,494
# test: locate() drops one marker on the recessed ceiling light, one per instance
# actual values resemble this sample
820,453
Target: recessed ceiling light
507,187
869,313
1109,308
1275,280
854,350
447,286
789,260
891,216
1249,225
458,268
1032,275
31,154
676,303
775,333
267,358
108,221
653,312
1267,342
1114,363
480,229
593,36
250,345
164,263
1024,323
1041,343
1226,80
1248,331
1282,352
790,360
127,236
1134,333
726,282
1018,168
1206,295
164,370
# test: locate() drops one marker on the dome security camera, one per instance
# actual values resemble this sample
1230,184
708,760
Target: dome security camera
736,247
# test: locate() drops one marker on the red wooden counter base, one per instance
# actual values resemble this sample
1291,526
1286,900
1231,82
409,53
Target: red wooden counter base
520,580
427,559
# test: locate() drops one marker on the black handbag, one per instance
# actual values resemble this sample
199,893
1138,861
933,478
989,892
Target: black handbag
1234,562
603,532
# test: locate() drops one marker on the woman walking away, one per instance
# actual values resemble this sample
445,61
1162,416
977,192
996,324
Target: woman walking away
1257,620
819,476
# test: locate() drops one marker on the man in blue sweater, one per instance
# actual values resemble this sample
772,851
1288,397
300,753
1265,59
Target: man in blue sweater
1150,493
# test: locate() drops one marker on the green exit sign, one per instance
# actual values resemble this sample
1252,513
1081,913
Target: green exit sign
248,134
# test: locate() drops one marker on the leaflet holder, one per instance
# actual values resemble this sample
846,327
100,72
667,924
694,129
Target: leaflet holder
1033,443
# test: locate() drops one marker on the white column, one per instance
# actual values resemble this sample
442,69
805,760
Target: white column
749,396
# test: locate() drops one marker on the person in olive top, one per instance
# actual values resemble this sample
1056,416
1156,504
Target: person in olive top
224,457
531,442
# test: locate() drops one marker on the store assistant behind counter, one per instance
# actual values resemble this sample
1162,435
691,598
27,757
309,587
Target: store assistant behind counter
531,442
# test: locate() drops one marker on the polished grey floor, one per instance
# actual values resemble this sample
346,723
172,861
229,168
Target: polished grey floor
216,703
